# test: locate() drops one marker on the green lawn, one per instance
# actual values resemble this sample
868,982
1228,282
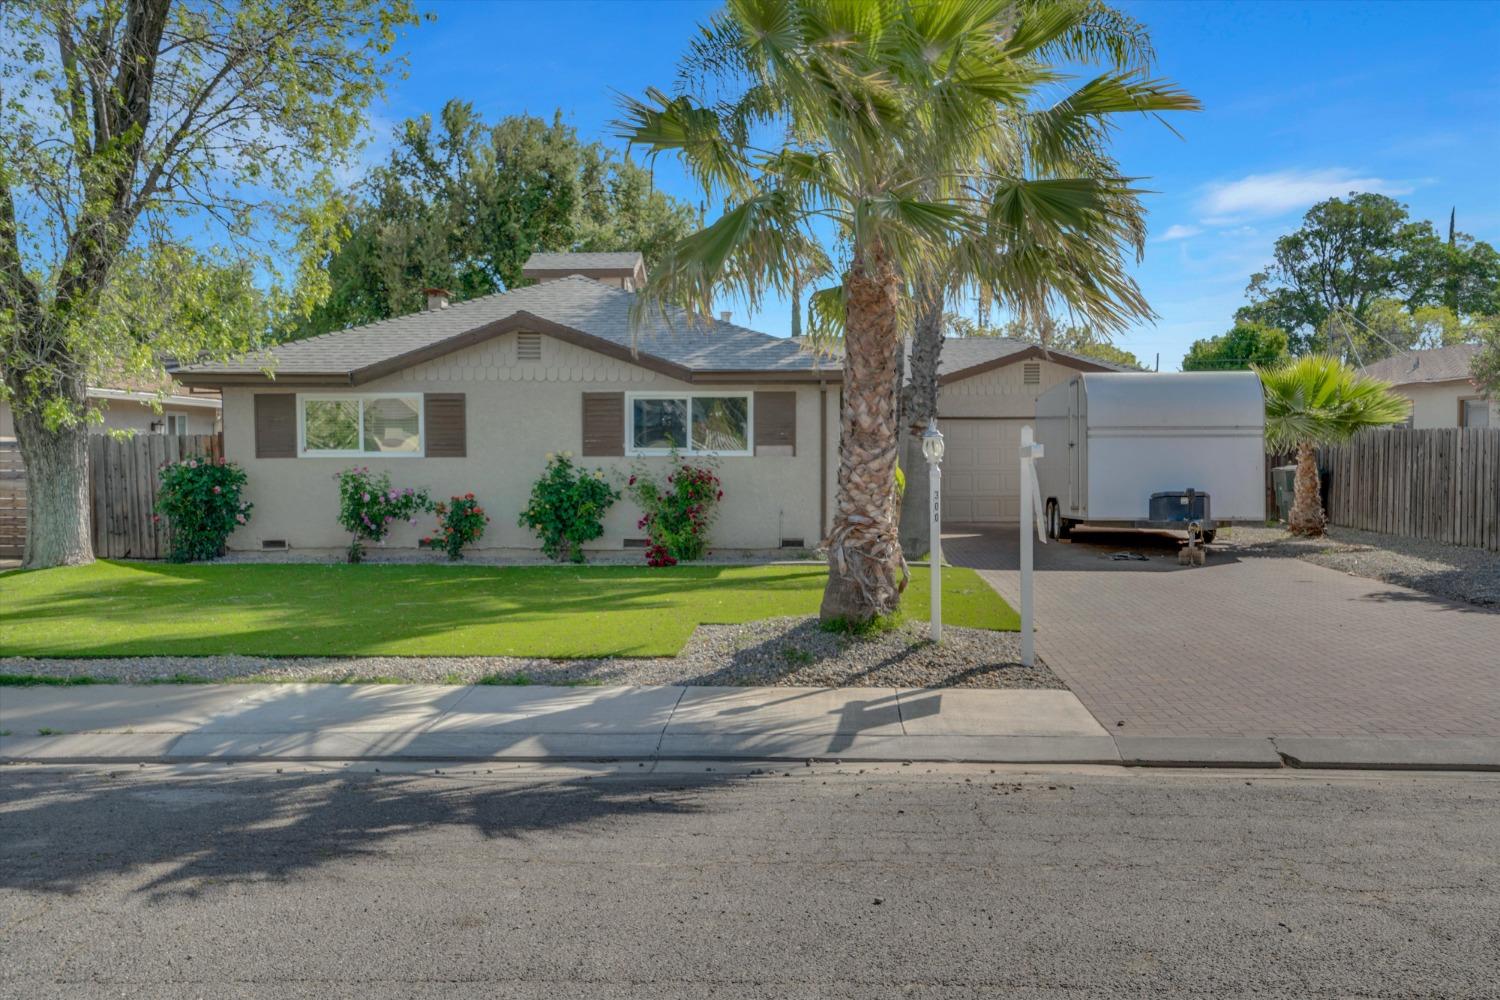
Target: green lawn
564,612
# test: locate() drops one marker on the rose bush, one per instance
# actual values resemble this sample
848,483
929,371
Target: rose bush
369,505
200,500
676,513
461,522
567,507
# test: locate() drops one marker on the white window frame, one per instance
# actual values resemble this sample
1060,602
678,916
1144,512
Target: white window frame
303,398
687,448
168,419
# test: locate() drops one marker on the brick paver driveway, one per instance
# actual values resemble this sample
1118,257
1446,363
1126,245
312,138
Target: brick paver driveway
1247,646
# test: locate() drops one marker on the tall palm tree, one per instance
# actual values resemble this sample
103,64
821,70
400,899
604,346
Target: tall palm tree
1319,400
881,129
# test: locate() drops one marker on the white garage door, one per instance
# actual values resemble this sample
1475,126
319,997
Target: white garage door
981,473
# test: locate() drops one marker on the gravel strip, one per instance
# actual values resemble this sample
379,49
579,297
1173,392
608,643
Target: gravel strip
1454,572
773,652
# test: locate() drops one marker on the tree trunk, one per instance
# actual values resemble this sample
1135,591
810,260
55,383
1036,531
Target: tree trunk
57,485
919,399
865,570
1306,515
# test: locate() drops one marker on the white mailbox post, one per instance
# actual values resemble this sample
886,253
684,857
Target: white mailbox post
1031,520
932,448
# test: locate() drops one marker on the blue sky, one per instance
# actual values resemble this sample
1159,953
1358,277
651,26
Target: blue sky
1302,101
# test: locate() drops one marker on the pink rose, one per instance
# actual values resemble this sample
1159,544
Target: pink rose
217,490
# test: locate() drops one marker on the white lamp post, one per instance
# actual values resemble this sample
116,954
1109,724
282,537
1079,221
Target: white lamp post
932,448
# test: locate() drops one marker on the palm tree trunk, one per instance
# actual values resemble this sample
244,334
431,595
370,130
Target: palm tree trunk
1306,515
865,570
919,405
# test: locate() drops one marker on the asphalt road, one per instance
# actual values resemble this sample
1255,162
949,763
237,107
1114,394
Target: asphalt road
224,882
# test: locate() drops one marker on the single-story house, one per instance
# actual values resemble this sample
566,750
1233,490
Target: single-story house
1438,383
169,410
473,396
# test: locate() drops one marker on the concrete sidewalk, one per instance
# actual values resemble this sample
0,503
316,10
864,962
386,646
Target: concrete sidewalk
442,723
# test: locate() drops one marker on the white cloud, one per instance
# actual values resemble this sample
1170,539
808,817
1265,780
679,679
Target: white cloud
1178,232
1259,195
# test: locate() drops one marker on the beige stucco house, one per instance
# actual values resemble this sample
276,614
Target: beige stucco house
473,396
141,411
1438,383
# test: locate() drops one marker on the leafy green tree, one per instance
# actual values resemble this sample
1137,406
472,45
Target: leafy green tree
126,128
1485,366
1352,253
1317,400
461,204
891,126
1246,345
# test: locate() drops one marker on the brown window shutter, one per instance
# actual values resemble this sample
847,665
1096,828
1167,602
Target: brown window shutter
275,425
445,422
776,422
603,423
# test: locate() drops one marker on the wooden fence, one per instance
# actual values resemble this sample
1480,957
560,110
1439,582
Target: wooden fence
12,501
1441,484
123,483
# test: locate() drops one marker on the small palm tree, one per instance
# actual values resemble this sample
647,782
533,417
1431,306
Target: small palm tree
1319,400
886,131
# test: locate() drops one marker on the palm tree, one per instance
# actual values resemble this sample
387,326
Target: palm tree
1319,400
883,130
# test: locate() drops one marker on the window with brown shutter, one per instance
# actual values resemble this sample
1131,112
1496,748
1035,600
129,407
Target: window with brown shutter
776,423
445,422
603,423
275,425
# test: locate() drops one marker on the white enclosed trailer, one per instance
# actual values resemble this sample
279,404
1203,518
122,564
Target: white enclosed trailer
1152,451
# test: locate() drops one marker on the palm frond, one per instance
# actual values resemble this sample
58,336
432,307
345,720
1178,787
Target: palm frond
1317,399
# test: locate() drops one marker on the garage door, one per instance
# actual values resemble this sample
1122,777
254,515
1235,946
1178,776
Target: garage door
981,473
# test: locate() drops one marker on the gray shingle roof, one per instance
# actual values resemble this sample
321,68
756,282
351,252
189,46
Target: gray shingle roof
615,261
960,353
1441,364
582,304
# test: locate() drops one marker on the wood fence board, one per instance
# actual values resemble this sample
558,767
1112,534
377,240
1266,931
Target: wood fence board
1441,484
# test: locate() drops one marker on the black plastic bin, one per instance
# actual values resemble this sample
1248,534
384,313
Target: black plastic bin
1179,506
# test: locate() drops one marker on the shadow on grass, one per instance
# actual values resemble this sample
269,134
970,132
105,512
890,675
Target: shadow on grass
315,610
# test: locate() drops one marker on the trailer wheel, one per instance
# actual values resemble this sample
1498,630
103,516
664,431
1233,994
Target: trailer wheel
1052,519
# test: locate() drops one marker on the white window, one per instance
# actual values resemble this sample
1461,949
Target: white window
1473,413
175,423
387,424
715,423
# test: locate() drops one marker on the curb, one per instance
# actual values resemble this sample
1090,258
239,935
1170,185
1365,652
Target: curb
1351,753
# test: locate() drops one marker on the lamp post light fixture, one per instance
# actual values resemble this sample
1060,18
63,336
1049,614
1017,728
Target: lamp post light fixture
932,449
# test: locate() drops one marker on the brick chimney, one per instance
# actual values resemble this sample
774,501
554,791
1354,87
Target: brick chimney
437,298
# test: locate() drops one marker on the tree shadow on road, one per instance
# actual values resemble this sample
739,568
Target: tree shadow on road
65,830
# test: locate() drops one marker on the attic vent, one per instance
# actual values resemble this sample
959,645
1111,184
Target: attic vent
1031,373
528,347
273,543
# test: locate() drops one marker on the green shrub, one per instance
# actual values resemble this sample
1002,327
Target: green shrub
567,507
461,522
369,505
676,514
200,500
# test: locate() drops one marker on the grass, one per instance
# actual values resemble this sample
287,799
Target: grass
561,612
33,680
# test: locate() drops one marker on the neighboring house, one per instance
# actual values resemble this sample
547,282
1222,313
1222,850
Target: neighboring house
473,396
135,410
1438,383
